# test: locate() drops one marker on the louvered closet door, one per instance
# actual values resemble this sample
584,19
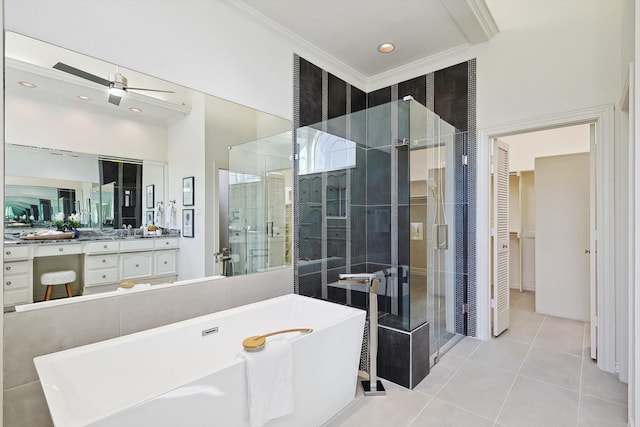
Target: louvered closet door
501,238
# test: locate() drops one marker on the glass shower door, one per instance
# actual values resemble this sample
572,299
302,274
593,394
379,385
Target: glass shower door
259,207
432,181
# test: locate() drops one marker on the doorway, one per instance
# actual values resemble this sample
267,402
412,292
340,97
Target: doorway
547,213
603,119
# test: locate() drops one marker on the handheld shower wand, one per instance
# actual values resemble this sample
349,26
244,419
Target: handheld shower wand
374,386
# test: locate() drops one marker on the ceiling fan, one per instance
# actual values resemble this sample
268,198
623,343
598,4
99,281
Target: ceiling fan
117,83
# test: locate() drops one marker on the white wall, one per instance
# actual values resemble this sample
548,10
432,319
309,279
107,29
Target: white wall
525,147
82,131
177,41
186,148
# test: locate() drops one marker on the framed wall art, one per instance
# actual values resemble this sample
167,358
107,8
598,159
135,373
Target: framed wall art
150,196
187,223
187,191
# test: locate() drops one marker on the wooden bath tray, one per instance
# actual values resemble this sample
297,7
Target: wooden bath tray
60,236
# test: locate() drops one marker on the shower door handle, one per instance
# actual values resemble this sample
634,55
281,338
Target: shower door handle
441,236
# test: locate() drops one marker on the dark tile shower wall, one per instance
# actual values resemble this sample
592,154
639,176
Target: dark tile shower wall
371,228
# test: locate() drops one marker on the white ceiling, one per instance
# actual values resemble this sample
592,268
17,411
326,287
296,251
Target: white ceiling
351,30
347,30
31,60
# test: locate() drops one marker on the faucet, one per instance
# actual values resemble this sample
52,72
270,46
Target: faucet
374,386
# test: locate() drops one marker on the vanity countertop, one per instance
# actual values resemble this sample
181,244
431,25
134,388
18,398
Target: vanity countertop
88,236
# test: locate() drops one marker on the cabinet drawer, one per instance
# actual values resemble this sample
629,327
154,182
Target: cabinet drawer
165,262
16,252
16,282
20,267
99,277
106,246
136,245
53,250
101,261
19,296
133,266
166,243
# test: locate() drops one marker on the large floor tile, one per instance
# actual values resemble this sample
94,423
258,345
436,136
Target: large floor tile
595,412
502,354
522,330
533,403
440,374
478,388
442,414
558,368
600,384
526,302
465,347
561,334
396,409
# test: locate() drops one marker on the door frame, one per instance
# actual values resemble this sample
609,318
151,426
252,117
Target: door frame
603,117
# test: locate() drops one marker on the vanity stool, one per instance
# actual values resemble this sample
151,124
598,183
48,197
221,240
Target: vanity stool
53,278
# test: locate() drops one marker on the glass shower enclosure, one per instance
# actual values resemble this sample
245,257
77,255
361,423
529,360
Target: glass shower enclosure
260,205
380,191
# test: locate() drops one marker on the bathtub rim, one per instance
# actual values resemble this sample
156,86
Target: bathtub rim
46,362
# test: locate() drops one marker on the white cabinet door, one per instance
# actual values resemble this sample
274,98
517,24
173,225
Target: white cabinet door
165,262
136,265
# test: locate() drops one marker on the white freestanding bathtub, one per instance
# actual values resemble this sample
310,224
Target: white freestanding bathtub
175,375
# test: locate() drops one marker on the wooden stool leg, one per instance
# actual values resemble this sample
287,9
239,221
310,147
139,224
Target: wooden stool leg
69,294
47,294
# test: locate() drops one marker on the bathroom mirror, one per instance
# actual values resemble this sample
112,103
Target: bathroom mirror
75,123
42,184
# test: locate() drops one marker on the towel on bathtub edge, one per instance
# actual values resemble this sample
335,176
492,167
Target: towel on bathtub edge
269,381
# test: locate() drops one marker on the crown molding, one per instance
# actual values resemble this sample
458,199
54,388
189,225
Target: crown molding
303,47
484,17
422,66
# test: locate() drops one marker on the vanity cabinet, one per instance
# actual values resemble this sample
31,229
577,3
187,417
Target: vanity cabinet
107,264
18,273
136,265
165,262
101,269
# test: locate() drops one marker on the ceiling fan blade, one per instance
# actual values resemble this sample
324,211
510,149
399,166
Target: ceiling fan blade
115,100
82,74
150,90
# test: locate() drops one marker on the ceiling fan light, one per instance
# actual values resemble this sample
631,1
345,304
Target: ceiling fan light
117,91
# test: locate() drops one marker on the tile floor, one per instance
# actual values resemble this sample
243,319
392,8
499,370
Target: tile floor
538,373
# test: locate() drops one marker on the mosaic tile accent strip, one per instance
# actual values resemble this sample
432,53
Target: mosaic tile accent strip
294,163
430,92
472,141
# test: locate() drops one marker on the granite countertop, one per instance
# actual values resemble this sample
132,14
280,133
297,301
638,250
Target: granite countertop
89,235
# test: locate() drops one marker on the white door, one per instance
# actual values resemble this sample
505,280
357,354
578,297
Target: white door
593,248
500,297
563,236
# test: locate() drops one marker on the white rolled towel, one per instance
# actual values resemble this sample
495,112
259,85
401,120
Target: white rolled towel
269,381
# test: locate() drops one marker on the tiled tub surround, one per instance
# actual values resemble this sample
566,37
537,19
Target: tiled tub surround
171,371
37,332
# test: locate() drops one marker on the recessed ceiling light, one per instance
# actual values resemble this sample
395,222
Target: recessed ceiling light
83,98
135,110
386,47
27,84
